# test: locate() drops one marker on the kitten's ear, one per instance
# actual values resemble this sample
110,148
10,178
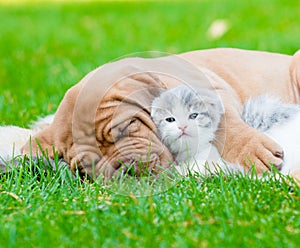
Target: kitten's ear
156,110
213,99
153,109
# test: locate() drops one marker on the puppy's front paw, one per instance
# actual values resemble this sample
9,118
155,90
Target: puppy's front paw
250,147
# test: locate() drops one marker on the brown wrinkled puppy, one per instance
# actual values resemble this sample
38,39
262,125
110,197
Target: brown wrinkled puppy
103,123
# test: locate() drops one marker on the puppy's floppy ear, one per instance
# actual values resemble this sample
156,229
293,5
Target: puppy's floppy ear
295,69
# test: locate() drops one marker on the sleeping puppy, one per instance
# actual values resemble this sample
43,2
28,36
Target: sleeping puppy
104,121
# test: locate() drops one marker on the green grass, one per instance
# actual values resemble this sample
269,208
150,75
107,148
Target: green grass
46,48
55,210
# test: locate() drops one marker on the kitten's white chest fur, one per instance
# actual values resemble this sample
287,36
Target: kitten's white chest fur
207,160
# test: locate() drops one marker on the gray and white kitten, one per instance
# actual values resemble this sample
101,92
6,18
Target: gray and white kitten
188,118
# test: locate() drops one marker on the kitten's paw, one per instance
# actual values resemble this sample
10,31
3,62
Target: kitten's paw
253,148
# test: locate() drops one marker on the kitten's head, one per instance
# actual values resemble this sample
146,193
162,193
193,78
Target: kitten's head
187,118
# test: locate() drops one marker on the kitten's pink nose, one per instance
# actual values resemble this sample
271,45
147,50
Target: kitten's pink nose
183,128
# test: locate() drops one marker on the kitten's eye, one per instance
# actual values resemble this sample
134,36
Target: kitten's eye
170,119
193,116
